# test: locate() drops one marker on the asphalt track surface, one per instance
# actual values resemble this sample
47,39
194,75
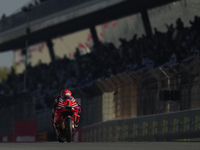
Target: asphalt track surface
102,146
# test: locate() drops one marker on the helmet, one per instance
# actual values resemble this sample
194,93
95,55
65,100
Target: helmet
65,94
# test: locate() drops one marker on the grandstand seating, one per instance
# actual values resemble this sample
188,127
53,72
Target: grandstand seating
176,45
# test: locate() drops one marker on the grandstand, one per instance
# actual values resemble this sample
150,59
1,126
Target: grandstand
150,74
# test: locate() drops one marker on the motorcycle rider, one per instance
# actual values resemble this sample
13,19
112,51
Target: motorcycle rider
65,94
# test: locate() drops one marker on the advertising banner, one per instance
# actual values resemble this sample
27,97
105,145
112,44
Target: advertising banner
42,136
25,131
6,137
77,135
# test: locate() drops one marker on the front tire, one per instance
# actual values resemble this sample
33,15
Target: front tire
68,129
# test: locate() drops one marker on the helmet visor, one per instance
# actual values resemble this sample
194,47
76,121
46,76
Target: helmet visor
66,97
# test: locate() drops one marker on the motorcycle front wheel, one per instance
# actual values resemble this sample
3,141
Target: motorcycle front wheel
68,129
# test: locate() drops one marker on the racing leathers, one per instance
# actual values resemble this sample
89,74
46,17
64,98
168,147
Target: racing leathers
55,104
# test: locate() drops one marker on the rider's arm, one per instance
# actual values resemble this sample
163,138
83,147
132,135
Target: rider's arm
55,103
74,101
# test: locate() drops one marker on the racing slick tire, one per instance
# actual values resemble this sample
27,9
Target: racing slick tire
68,124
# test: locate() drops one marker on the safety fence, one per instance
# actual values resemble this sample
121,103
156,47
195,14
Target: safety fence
163,127
19,106
169,88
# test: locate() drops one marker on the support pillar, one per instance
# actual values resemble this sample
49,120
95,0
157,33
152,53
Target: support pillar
51,50
146,22
94,35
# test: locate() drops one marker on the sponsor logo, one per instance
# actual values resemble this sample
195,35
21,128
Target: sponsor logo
61,100
73,99
60,105
25,139
76,105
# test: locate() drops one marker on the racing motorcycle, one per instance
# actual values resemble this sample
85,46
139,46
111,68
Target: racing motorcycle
65,116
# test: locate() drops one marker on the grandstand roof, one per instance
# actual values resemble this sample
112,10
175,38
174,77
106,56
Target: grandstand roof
125,8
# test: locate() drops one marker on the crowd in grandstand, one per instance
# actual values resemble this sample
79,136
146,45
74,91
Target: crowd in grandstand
106,60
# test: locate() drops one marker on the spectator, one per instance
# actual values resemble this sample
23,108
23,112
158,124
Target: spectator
77,54
106,60
3,16
179,24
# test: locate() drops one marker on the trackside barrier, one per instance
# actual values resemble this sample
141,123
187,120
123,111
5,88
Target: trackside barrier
51,136
17,118
24,131
6,137
162,127
169,88
77,135
42,136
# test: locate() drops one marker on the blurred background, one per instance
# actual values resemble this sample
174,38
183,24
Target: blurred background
132,64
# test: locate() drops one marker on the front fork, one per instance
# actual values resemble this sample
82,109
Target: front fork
63,122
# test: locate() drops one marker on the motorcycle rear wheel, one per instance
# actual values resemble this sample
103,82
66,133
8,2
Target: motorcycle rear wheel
68,129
